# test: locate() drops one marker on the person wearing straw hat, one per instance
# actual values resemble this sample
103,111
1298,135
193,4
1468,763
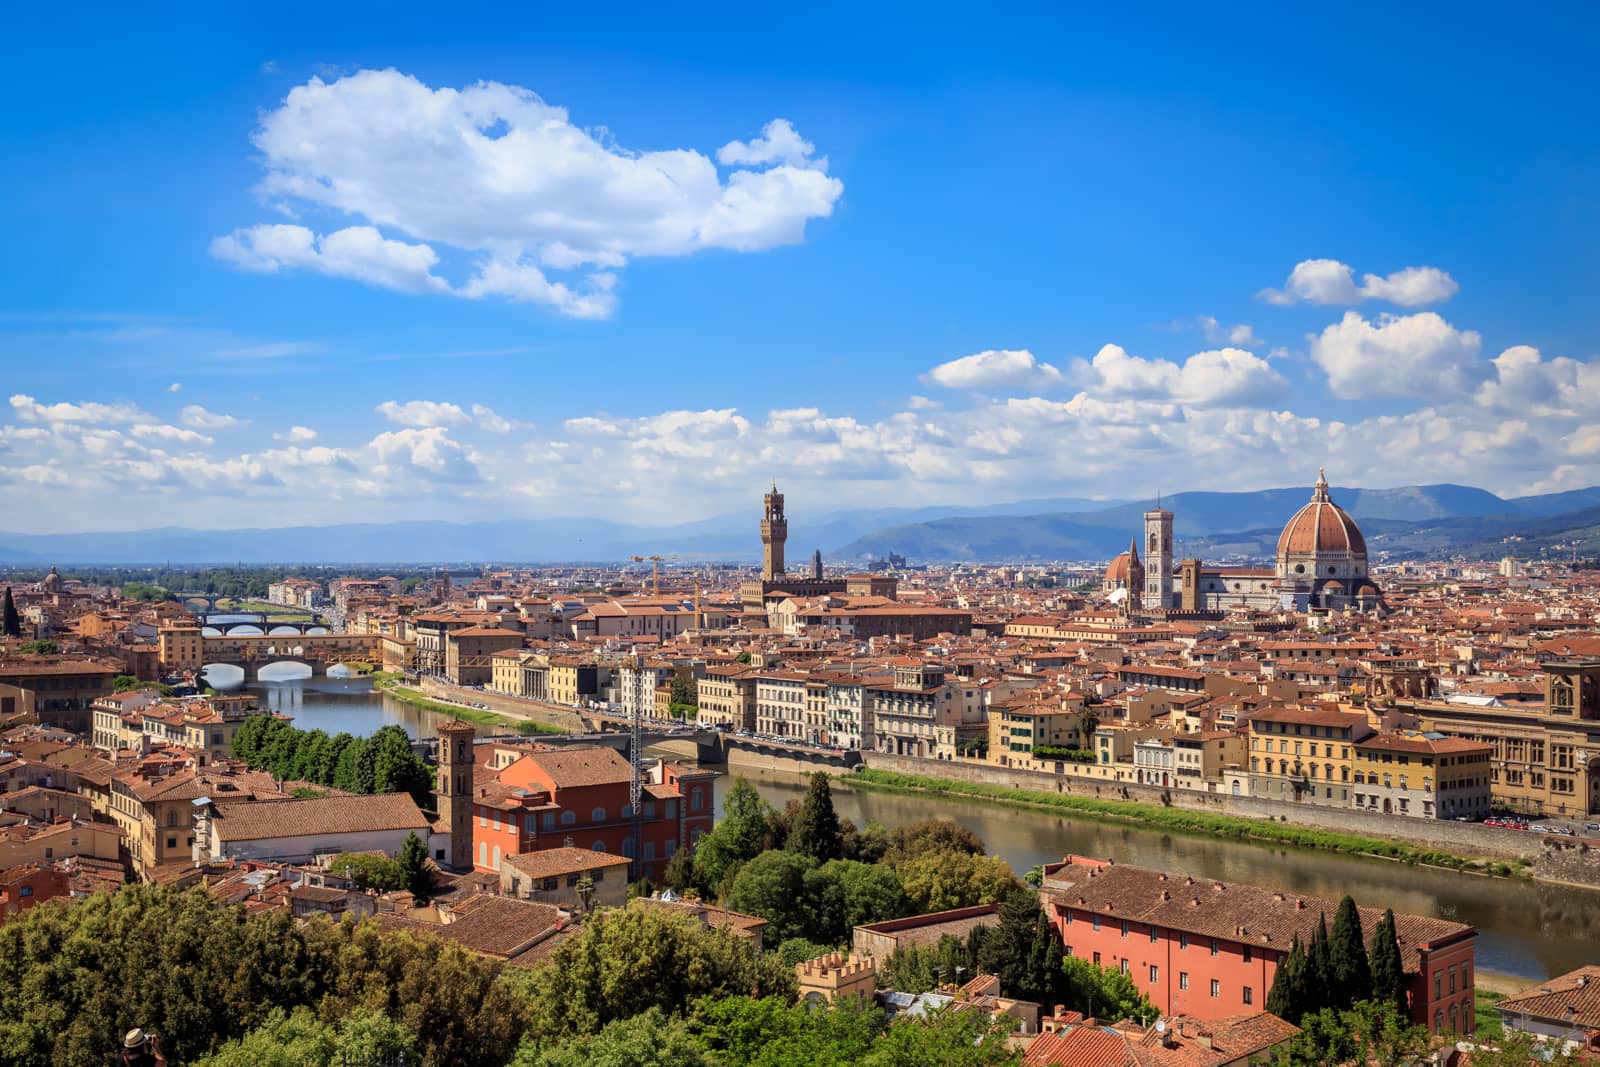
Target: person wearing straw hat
140,1049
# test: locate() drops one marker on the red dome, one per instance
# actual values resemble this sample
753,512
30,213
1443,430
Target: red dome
1321,526
1118,571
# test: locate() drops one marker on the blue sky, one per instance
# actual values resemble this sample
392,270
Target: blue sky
876,255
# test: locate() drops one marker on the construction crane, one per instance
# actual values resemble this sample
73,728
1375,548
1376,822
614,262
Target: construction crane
655,571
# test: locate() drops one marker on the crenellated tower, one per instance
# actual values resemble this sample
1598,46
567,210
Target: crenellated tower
774,532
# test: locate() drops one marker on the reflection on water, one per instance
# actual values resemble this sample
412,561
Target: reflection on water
1526,930
335,704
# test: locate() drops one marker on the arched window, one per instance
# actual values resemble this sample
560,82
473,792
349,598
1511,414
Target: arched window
568,818
597,815
598,846
1438,1021
483,854
497,857
627,847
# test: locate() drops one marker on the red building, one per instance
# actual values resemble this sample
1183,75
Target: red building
22,888
579,796
1210,950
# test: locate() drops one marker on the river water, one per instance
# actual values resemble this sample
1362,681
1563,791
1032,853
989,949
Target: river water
1526,931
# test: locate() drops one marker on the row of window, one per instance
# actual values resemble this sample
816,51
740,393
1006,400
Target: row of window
1247,994
492,817
1155,935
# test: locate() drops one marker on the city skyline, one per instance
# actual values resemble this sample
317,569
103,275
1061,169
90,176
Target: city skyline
871,267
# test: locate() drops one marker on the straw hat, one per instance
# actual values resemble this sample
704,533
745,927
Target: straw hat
135,1039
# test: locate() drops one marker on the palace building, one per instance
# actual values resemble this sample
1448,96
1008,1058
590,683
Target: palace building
776,584
1321,564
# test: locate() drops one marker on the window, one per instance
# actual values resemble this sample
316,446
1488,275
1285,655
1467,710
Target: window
1183,979
1097,923
569,818
597,815
1213,946
25,891
1183,940
1097,959
494,820
697,799
1124,966
1153,935
172,842
1124,927
483,854
1438,984
1216,988
548,884
1248,953
1155,974
549,820
1249,995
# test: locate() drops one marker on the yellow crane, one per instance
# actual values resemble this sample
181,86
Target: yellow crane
655,571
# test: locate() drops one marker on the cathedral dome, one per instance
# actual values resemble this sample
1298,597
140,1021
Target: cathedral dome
1321,527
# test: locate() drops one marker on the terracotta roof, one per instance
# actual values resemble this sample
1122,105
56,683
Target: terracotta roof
1573,999
258,820
554,862
1232,911
570,768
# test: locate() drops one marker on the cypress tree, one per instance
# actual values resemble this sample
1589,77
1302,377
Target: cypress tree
1319,964
11,626
1286,998
1350,976
1388,971
816,831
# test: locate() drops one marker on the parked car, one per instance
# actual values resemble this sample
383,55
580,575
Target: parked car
1592,826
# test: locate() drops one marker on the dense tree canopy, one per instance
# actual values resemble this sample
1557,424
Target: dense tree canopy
382,763
816,831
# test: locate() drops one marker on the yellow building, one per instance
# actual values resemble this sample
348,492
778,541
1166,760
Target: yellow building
727,697
836,976
1423,776
1304,756
180,646
1016,729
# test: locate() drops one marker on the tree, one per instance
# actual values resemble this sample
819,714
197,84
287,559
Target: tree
369,872
816,831
774,886
738,837
869,892
10,620
415,874
1350,976
1008,952
933,835
299,1039
1388,971
1103,992
627,960
684,690
354,771
1088,723
398,769
938,881
1319,962
39,648
649,1039
947,1038
1384,1036
796,950
1287,997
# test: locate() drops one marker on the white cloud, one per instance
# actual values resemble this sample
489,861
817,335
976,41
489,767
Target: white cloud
30,410
422,413
494,171
175,434
922,403
1525,383
198,418
175,387
1241,335
297,434
994,369
1328,281
491,422
778,143
1220,376
424,452
358,252
1405,356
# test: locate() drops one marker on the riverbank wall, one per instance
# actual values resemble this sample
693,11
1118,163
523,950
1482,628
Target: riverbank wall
515,707
1464,839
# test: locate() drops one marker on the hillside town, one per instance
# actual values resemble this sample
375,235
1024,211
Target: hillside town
582,716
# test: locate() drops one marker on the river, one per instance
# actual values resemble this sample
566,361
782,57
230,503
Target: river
1526,931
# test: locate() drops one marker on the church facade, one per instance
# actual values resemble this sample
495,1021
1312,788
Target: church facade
1321,564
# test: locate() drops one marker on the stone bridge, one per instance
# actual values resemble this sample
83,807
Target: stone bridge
266,623
251,652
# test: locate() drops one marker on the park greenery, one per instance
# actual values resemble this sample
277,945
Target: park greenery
382,763
129,683
1164,817
1067,755
39,648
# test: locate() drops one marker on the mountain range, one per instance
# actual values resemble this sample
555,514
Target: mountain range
1408,522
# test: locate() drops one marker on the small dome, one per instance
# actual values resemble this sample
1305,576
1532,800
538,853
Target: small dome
1366,589
1334,586
1321,526
1118,571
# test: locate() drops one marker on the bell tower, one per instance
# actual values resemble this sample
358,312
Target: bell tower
774,532
456,767
1157,558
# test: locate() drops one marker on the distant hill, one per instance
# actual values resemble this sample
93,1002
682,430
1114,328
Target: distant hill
728,537
1410,521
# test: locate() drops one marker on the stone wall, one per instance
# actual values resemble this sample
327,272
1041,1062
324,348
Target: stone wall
1561,859
1460,838
517,707
773,760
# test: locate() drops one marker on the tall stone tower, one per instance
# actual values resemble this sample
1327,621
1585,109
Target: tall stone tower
816,565
774,532
1157,558
456,762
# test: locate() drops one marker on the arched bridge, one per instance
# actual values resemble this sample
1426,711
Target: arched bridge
251,652
260,620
